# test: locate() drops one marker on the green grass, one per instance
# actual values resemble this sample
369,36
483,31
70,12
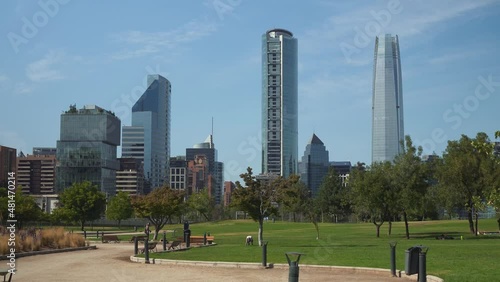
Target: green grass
471,259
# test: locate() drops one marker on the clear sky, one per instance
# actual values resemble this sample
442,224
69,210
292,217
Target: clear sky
61,52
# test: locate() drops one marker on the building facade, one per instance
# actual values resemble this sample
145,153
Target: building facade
178,173
215,168
387,115
229,187
314,164
199,177
279,103
36,174
86,150
130,177
148,139
8,164
343,168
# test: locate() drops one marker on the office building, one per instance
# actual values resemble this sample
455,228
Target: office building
36,173
343,168
148,138
314,164
86,150
229,187
199,177
44,151
130,177
178,173
215,168
279,103
7,164
387,119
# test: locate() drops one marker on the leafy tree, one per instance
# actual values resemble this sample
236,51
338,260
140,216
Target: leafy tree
119,208
159,206
258,198
202,203
410,180
25,208
371,193
81,202
465,176
333,196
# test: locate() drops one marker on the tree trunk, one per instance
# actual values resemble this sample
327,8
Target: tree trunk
119,224
471,221
477,219
498,223
261,229
390,227
82,224
378,226
407,230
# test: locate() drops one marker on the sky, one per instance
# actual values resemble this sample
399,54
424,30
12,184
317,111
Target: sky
55,53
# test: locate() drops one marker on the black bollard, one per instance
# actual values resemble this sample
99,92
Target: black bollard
136,246
205,238
85,234
146,251
164,240
187,235
264,254
422,269
393,258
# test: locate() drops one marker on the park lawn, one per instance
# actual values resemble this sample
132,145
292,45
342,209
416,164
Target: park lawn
471,259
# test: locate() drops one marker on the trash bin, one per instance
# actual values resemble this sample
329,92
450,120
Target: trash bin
411,260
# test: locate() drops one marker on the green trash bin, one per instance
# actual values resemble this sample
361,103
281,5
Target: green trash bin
411,260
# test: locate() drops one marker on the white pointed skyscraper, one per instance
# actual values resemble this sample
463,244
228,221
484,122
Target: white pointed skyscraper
387,119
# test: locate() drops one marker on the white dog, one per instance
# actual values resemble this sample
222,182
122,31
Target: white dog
249,240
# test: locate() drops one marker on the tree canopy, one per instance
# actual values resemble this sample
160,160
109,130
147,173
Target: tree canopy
119,207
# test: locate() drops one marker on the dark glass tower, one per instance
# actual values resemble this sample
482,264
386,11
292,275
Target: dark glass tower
387,119
279,103
314,165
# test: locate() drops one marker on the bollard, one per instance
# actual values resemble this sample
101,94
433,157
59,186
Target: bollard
136,246
422,269
393,258
264,254
164,240
187,235
205,238
293,273
85,234
146,251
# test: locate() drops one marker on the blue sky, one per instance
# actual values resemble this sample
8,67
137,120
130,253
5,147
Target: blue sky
61,52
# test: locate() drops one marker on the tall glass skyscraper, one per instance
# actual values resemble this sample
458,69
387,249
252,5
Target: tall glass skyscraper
148,138
86,150
314,165
387,119
279,103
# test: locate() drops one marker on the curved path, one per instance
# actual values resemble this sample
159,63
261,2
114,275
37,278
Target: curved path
111,263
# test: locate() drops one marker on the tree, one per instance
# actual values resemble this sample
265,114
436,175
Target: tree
119,208
465,174
371,193
25,208
410,180
258,198
202,203
81,202
159,206
333,196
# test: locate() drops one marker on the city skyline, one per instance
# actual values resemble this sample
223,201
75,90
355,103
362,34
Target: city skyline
213,56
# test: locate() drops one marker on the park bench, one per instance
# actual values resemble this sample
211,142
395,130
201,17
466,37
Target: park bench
174,244
139,238
199,239
110,238
151,247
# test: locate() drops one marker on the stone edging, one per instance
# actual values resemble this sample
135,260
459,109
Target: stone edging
44,252
249,265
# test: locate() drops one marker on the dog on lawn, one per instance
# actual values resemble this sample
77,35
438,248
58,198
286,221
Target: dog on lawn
249,240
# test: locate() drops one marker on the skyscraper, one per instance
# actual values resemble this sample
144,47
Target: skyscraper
314,165
148,139
86,150
279,103
387,119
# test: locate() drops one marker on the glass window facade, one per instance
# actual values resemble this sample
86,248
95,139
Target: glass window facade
87,149
314,165
279,103
387,118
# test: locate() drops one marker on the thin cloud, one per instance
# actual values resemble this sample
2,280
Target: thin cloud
23,88
146,43
43,70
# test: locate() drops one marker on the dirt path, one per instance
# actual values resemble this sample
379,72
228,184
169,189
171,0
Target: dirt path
111,263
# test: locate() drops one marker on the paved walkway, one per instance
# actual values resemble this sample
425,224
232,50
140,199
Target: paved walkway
111,263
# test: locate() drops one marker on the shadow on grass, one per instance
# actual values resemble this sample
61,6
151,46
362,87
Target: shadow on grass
333,246
436,235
